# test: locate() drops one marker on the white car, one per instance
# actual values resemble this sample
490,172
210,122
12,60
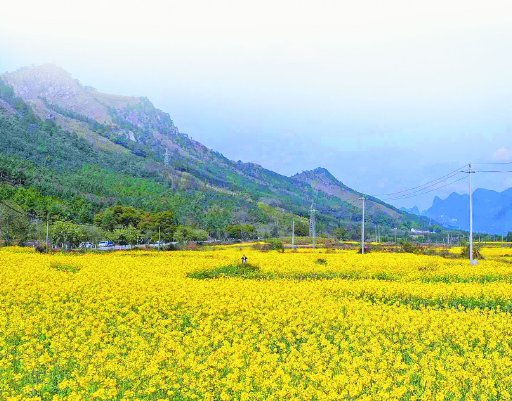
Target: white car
105,244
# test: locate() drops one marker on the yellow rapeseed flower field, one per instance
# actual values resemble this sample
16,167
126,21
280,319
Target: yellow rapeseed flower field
307,325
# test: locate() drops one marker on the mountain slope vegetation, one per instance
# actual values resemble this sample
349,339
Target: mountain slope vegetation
69,150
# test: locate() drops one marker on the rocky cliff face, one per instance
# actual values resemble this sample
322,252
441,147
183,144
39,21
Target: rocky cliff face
57,87
54,94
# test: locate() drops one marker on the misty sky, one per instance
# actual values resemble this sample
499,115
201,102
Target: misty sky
385,94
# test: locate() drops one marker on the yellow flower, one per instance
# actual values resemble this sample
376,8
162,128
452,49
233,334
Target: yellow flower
136,326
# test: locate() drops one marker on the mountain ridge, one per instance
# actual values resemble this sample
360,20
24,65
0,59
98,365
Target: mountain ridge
137,132
492,210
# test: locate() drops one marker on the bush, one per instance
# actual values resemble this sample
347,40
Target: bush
247,271
476,252
275,244
67,233
409,247
41,248
187,233
241,231
366,249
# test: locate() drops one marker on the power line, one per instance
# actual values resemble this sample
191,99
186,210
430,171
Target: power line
23,212
491,163
16,210
425,190
426,185
493,171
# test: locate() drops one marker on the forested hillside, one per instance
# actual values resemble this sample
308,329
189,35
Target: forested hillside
69,152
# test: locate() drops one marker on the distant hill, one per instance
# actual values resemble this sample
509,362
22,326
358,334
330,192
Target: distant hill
412,210
87,148
323,181
492,211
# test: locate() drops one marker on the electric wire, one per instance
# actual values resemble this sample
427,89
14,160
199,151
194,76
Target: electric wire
493,171
491,163
16,210
407,196
420,190
426,185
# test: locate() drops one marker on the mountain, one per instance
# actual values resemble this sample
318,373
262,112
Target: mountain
323,181
412,210
85,150
492,211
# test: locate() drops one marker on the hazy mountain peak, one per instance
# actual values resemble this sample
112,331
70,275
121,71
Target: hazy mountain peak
322,178
319,173
49,70
47,80
492,210
49,84
323,172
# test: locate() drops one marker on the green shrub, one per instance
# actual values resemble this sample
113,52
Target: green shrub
476,252
409,247
275,244
240,270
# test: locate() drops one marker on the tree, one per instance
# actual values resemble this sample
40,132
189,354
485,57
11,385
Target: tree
187,233
216,220
274,231
509,237
301,228
15,227
341,234
125,236
67,233
93,234
241,231
118,217
81,210
151,223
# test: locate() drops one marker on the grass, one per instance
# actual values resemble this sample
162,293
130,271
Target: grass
252,272
242,271
419,303
65,268
483,279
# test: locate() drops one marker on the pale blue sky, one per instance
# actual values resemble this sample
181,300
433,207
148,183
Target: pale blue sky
386,95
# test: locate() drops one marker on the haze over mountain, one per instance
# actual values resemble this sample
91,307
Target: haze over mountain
385,95
492,211
110,149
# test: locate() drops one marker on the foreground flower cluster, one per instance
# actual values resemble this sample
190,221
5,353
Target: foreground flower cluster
134,326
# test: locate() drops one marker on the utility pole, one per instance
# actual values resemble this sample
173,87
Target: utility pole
471,261
362,224
312,224
159,238
47,231
293,234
